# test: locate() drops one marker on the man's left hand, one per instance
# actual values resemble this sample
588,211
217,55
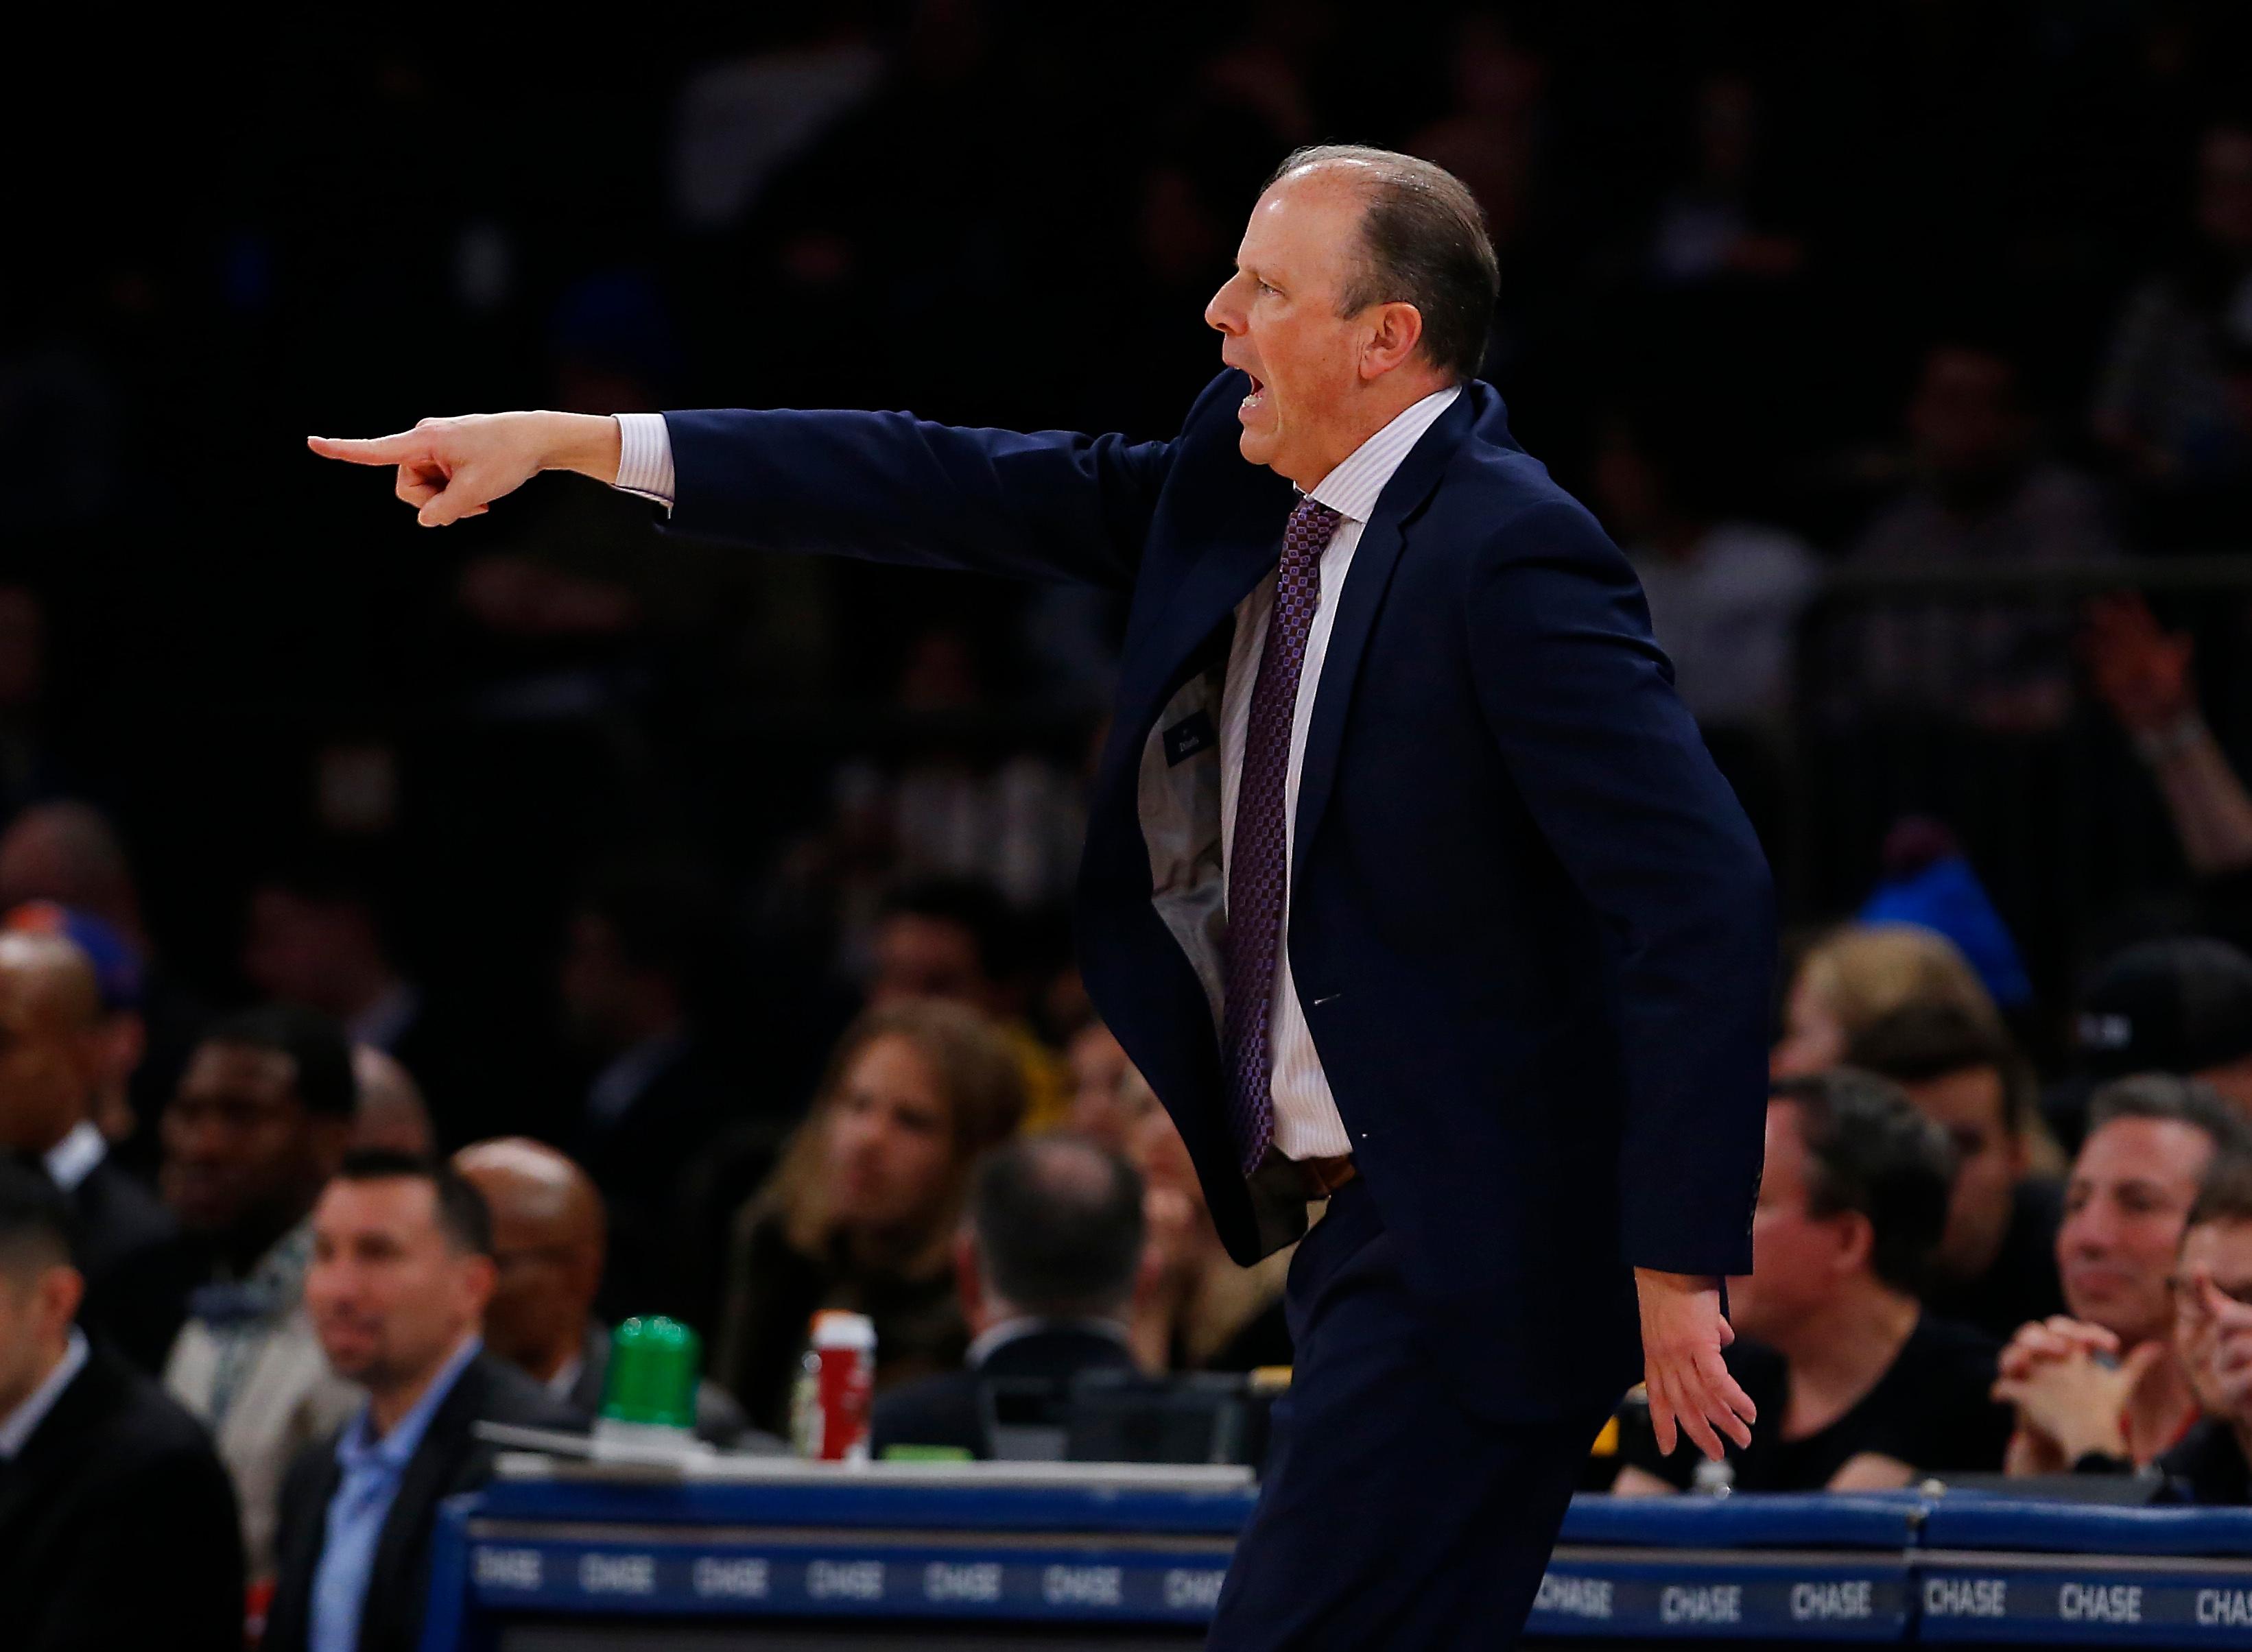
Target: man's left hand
1691,1391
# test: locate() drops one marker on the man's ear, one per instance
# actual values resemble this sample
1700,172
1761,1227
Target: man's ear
1857,1241
58,1294
1398,333
479,1275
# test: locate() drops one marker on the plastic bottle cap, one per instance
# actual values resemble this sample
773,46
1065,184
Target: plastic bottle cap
655,1363
834,1328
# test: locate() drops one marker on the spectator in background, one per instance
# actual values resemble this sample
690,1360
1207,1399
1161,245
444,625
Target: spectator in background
136,1272
949,938
1995,1266
637,953
2105,1383
1725,595
258,1125
2213,1337
862,1212
391,1114
1045,1272
1928,880
1108,1097
2182,1004
117,1528
68,854
2142,674
315,936
403,1270
1716,225
1725,592
124,1034
2165,403
1983,498
1859,972
548,1226
1200,1309
1859,1386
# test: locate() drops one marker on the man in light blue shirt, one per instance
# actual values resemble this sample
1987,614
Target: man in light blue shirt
373,1468
402,1273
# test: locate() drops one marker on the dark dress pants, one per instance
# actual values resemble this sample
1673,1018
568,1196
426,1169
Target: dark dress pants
1388,1516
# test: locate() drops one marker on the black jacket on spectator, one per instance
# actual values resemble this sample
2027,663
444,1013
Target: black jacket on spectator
118,1525
950,1409
2207,1466
1931,1409
2022,1285
449,1460
638,1159
138,1269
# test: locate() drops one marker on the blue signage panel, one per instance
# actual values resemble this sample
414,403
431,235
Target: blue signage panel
1815,1596
1972,1597
848,1576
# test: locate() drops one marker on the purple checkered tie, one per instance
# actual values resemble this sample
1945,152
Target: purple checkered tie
1259,861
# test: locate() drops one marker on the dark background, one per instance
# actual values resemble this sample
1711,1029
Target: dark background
230,231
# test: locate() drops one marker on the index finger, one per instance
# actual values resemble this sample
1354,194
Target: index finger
373,450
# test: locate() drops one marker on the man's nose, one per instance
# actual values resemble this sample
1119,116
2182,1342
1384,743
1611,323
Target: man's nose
1220,314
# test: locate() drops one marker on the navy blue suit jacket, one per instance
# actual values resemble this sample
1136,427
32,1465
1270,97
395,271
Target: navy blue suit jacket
1531,927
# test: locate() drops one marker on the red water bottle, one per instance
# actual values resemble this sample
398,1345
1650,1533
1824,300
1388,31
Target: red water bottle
829,1418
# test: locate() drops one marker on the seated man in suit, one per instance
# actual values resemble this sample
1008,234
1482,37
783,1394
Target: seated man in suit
1046,1274
51,1064
548,1224
403,1270
117,1526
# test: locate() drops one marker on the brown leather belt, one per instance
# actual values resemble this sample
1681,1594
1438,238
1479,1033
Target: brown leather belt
1326,1176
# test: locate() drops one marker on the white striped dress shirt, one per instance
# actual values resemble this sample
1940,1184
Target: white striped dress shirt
1306,1122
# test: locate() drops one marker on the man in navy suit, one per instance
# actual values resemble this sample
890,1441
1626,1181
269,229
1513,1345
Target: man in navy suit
1407,881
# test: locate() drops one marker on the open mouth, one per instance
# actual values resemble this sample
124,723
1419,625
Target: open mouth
1258,396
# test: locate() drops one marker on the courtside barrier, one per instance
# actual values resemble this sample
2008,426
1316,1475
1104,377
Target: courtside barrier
557,1555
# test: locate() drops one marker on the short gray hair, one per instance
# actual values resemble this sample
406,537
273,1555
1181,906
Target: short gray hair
2170,1098
1423,242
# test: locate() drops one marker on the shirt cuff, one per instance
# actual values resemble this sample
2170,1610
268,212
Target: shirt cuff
645,457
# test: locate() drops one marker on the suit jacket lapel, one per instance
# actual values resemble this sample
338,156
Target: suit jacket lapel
1373,559
428,1476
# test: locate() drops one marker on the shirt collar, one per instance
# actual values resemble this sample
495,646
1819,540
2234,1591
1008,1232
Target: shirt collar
995,1338
19,1424
71,1159
355,1449
1351,488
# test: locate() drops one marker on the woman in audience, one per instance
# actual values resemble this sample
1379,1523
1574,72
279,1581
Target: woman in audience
1858,1389
862,1212
1858,972
1198,1310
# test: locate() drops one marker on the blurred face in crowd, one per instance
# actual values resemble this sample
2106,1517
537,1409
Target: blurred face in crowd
1799,1258
2129,1193
390,1294
891,1139
1964,420
608,998
918,956
547,1251
1311,368
51,1049
2219,1251
1813,1037
324,954
240,1146
1972,1106
38,1298
2224,189
1101,1108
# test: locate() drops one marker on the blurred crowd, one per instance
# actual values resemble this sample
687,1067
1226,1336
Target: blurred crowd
419,957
